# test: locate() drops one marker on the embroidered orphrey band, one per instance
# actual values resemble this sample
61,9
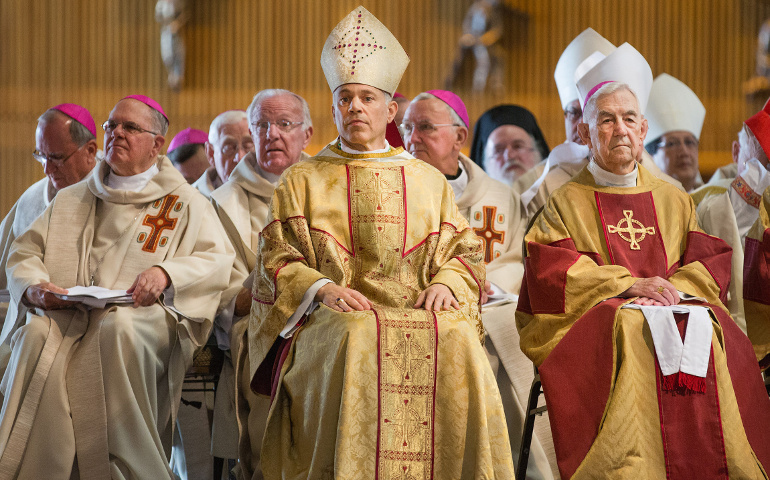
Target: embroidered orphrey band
746,193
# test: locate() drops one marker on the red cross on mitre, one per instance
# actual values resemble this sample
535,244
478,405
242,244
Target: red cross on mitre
488,233
160,222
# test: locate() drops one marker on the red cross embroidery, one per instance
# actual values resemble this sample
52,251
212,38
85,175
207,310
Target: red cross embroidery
488,233
158,223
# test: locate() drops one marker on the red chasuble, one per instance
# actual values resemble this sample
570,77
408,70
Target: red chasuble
756,283
597,361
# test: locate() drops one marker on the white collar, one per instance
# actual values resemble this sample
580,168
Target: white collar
347,149
270,177
755,175
608,179
131,183
460,183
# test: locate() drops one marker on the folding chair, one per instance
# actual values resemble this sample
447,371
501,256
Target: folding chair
529,425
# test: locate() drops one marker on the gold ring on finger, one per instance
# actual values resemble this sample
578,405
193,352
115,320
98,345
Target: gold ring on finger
661,289
338,302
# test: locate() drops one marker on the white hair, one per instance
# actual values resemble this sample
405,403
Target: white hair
456,120
750,147
263,95
590,113
230,117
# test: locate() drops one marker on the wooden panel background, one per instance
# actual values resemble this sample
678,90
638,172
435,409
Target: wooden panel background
94,52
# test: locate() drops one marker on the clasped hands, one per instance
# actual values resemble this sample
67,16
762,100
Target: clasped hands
655,291
145,290
436,297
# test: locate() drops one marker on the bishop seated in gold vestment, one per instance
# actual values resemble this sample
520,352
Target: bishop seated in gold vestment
365,324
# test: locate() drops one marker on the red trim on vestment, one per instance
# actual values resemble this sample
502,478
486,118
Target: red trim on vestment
275,276
433,417
756,270
714,254
750,392
350,211
604,230
657,229
566,376
421,242
475,279
545,271
406,213
333,238
379,402
662,416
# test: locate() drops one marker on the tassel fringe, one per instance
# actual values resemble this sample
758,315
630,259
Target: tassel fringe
684,383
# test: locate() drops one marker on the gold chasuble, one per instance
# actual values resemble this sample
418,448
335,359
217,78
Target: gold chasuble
395,392
613,413
756,284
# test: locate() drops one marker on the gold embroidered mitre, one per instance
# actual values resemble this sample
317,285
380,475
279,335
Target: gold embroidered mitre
361,49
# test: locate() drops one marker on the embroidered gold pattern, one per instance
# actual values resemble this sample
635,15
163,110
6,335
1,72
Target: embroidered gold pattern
632,228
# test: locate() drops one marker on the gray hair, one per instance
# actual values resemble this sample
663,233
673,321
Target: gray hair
456,120
590,113
79,134
160,122
750,147
230,117
263,95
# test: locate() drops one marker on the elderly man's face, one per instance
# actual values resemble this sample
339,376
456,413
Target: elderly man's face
678,154
436,145
510,152
617,135
232,143
361,114
66,162
130,152
573,115
279,147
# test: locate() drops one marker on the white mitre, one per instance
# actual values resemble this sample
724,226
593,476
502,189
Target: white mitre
361,49
588,42
673,106
625,65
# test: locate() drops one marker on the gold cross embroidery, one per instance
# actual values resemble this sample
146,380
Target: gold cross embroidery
631,230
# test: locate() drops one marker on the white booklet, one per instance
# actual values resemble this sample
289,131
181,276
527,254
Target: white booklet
97,297
501,298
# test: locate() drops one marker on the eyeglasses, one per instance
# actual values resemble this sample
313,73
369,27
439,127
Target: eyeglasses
56,162
424,128
129,127
688,143
283,125
573,114
230,149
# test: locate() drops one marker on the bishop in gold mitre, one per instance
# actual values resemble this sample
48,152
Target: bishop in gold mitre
365,325
645,373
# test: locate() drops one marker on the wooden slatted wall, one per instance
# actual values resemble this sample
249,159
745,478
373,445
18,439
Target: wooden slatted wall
94,52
